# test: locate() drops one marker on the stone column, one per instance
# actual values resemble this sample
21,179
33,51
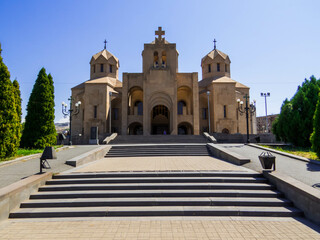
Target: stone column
195,98
124,110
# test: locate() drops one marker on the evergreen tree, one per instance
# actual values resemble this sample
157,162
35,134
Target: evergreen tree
39,130
8,115
295,122
17,95
315,136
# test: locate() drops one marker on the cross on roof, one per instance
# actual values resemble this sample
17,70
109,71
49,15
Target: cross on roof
214,42
160,33
105,44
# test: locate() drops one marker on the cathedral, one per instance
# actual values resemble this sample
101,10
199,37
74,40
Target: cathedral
160,99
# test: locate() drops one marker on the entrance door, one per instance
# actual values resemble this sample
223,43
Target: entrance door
160,119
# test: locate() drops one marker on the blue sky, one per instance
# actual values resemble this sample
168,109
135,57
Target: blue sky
273,45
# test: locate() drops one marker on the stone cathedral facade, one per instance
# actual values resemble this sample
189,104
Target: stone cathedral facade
160,99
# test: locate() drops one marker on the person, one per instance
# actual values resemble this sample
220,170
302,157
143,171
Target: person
164,132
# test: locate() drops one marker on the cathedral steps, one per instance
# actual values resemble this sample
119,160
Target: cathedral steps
206,193
158,150
136,139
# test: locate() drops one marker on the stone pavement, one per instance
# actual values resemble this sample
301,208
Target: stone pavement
167,163
307,173
16,171
161,228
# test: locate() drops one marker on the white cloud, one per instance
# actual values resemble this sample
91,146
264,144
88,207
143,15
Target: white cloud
63,120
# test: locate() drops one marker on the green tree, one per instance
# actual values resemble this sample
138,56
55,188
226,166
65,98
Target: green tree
295,122
8,114
17,96
315,136
39,130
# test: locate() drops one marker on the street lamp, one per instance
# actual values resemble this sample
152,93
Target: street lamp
71,112
265,95
208,94
248,109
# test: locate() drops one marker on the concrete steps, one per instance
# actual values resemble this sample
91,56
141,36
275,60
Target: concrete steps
158,150
135,139
156,194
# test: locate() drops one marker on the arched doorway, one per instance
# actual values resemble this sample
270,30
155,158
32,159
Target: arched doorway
135,129
185,128
225,131
160,119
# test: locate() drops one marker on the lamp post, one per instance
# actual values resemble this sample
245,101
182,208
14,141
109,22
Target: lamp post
110,95
71,112
265,95
248,110
208,94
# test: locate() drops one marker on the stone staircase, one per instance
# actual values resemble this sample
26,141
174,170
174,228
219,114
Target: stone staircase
158,150
120,194
139,139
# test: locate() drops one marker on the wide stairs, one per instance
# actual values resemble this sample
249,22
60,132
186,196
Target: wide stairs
158,150
135,194
140,139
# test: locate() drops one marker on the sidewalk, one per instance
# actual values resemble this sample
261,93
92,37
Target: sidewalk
306,172
16,171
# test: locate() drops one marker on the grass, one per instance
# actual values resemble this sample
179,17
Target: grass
299,151
25,152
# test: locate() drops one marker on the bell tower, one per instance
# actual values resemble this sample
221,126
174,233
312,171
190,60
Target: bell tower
215,64
160,54
104,64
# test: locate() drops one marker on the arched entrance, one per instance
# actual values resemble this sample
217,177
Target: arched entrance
160,119
135,129
185,128
225,131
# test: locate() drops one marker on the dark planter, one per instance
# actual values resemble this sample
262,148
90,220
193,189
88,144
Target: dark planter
267,160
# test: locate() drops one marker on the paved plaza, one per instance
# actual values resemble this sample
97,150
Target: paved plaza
157,227
161,228
165,163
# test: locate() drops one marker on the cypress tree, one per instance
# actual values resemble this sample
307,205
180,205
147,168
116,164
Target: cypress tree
315,136
8,115
17,95
39,130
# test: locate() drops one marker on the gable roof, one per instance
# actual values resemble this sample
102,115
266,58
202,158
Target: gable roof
207,81
104,53
213,54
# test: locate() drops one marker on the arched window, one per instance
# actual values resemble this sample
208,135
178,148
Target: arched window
181,104
164,59
139,104
155,59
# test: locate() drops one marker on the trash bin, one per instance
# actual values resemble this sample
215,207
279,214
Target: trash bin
267,160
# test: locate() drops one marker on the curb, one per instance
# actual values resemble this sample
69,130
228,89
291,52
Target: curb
12,195
90,156
29,157
303,159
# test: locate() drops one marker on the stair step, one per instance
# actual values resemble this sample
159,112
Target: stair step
156,193
156,211
158,180
159,174
98,202
132,186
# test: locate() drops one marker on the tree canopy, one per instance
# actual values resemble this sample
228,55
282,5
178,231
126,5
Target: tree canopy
9,119
295,122
39,130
